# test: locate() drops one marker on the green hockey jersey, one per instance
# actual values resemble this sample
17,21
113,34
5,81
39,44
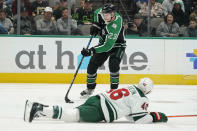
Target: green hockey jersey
112,33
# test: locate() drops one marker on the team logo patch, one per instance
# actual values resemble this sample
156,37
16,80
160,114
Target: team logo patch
114,26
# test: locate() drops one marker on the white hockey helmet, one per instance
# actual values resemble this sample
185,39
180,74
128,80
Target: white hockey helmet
145,85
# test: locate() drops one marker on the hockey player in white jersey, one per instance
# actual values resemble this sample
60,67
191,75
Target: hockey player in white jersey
130,102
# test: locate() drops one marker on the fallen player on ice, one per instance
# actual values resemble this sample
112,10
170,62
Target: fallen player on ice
130,102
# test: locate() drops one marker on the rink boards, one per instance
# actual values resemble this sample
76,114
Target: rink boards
55,60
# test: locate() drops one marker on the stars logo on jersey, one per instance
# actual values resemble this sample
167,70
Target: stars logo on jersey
114,26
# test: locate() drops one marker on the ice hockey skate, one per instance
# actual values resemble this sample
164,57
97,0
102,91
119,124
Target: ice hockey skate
86,93
32,110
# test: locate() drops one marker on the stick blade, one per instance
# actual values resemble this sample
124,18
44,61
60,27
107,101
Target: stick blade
68,100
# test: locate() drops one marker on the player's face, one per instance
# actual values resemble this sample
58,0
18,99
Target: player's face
107,16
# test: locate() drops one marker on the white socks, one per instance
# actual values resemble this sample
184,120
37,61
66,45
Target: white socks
58,113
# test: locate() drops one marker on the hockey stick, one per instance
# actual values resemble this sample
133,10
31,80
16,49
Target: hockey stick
172,116
181,116
67,100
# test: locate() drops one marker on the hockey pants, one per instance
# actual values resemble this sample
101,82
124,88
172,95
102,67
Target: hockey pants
97,60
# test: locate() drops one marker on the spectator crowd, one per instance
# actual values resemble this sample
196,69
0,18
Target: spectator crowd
168,18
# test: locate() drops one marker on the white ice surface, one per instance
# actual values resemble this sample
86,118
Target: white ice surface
170,99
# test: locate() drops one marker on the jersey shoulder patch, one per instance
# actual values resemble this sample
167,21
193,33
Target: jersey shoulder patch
114,25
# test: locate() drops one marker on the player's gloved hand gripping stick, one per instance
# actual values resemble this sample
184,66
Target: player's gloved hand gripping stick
67,100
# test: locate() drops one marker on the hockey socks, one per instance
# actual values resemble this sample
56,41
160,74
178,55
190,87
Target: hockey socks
91,81
114,80
58,113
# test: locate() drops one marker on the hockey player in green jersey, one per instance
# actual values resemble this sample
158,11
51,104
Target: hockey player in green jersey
130,102
108,25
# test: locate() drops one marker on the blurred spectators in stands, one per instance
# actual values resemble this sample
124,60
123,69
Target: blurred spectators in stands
62,24
192,29
24,3
85,14
143,10
192,8
169,4
82,3
7,9
6,23
187,5
2,4
38,7
46,25
3,30
9,3
58,10
168,28
156,9
160,1
179,15
27,25
139,27
193,14
140,3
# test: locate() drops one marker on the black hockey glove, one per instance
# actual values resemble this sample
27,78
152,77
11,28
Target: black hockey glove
95,29
159,117
88,52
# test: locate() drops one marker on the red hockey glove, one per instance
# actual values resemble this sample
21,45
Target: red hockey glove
159,117
87,52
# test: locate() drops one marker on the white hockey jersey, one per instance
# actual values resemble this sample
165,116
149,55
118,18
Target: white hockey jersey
129,102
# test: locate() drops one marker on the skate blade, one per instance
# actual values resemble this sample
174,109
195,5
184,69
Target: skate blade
28,107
